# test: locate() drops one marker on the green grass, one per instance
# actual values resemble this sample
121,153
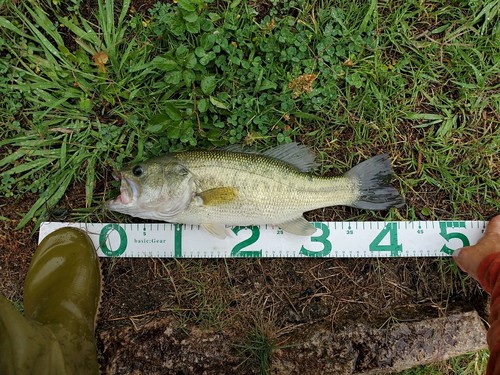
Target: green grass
81,95
257,348
417,81
468,364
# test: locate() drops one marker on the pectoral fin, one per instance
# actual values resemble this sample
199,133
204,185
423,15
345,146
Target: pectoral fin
217,230
217,196
298,226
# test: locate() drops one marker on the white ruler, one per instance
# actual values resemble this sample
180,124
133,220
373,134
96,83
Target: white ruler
331,240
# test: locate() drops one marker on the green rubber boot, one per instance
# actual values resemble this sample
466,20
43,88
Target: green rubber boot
61,299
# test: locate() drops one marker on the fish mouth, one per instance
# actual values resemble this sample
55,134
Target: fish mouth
128,191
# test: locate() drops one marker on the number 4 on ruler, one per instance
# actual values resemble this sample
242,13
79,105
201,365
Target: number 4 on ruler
390,229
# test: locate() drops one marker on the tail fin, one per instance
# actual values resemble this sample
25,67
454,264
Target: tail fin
373,177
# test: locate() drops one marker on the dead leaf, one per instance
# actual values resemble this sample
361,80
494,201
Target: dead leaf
302,84
349,63
100,59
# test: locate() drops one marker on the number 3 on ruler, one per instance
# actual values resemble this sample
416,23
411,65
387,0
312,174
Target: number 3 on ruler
322,238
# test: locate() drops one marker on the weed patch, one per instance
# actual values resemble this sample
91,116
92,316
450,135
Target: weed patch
81,94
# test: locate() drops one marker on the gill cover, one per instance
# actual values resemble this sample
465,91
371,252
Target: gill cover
161,188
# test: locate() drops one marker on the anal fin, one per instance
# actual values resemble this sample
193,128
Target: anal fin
216,230
298,226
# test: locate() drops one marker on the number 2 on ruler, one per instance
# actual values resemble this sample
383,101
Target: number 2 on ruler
238,248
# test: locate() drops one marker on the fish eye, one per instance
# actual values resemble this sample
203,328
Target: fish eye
137,171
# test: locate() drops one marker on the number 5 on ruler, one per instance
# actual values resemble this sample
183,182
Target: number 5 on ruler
443,226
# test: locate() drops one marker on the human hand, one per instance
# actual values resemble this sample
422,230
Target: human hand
469,258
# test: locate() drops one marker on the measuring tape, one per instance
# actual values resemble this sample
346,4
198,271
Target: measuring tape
358,239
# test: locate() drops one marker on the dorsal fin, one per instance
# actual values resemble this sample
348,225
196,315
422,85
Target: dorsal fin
298,156
294,154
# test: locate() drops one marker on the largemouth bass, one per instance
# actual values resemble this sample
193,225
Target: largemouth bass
236,187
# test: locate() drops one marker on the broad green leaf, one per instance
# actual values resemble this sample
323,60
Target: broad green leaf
234,4
216,102
173,78
193,27
174,131
267,85
200,51
188,77
190,17
173,112
177,26
207,41
202,105
186,5
154,128
191,61
85,104
181,52
158,119
214,17
204,60
208,85
164,64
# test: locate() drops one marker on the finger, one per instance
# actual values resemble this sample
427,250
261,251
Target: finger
469,258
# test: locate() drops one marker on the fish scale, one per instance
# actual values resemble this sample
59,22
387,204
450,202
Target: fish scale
270,193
